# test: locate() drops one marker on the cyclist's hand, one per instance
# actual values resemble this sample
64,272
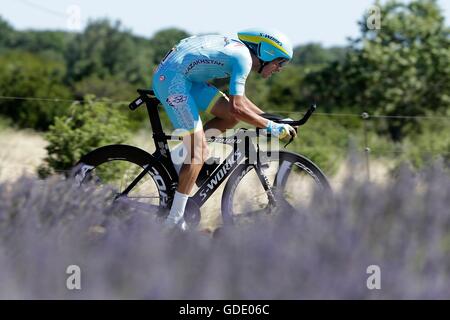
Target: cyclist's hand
287,131
282,131
294,130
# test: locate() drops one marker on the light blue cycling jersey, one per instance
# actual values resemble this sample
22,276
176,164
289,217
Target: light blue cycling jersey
180,81
203,58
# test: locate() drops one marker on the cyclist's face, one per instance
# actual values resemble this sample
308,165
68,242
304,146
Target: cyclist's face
272,67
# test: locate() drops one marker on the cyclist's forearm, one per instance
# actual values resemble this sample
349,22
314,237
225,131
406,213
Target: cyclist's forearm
253,118
243,111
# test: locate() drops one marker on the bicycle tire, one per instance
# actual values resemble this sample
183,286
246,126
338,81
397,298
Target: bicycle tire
129,155
286,161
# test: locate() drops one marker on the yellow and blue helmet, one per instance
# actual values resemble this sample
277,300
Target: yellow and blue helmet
267,44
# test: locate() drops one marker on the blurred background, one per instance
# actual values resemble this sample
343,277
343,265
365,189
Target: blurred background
379,72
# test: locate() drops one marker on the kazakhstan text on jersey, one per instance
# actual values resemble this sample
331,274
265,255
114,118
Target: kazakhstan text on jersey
202,58
180,81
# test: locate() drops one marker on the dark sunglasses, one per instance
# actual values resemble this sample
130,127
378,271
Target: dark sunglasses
283,62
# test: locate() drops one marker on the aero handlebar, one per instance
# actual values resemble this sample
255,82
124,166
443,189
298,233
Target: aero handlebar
302,121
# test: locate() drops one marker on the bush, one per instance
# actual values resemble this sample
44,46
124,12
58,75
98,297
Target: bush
4,123
430,143
27,75
326,140
91,124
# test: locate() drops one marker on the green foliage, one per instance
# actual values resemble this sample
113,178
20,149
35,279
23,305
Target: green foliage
258,90
50,44
314,54
114,89
91,124
433,142
27,75
105,50
285,89
326,140
7,34
401,68
110,87
105,60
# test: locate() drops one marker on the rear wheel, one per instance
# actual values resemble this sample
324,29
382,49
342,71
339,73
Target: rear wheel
117,166
294,178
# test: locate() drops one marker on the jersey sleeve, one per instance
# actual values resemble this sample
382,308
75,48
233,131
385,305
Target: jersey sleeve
242,64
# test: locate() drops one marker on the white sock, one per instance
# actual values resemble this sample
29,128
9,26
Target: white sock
178,206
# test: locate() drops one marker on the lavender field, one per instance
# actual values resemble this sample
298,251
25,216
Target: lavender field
322,252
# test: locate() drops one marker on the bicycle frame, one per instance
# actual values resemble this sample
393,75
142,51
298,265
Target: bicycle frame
243,147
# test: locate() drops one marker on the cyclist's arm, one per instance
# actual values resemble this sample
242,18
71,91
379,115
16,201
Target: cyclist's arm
243,110
240,106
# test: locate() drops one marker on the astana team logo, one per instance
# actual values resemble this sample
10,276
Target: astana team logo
176,100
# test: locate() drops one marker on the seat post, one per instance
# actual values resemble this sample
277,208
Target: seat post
155,122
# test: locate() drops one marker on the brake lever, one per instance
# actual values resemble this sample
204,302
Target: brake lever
291,139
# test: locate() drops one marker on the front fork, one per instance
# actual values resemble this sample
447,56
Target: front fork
265,181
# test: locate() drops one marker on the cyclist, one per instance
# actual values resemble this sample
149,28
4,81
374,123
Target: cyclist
180,83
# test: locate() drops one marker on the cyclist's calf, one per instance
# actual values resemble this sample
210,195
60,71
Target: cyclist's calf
196,147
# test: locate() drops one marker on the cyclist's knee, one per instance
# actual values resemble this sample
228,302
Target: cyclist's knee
199,154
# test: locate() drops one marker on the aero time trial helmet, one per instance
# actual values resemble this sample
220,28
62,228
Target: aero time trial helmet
267,44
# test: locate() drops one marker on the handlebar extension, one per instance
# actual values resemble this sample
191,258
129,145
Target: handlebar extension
302,121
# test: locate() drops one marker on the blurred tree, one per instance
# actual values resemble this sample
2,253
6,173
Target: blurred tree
338,53
285,88
6,34
107,87
26,75
53,44
402,68
257,89
315,54
105,50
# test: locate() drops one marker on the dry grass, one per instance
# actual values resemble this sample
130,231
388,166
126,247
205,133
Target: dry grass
21,152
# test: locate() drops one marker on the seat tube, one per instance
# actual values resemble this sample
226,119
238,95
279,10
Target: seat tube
159,136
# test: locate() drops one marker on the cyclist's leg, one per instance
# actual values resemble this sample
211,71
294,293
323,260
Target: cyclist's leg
210,99
173,90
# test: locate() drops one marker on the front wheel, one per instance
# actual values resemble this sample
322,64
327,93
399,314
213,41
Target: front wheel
294,180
